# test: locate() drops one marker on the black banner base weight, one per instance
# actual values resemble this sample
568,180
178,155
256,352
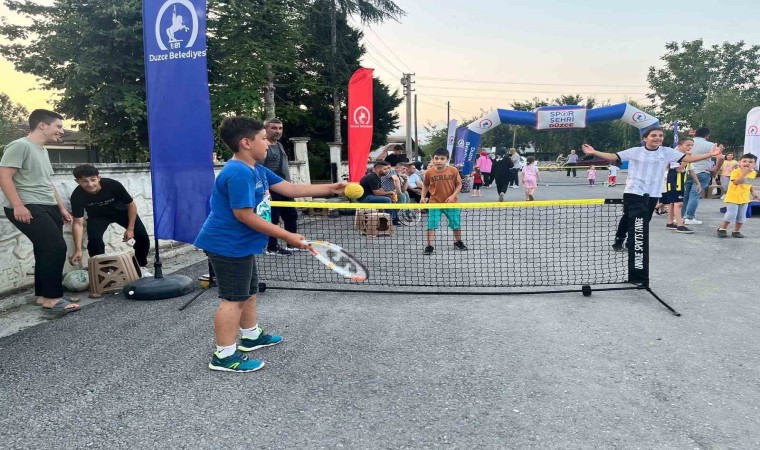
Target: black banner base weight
158,288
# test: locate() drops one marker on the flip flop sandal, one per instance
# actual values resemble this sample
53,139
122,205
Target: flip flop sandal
33,301
59,310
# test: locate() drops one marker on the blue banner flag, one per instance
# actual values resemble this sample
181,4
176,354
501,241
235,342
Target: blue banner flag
471,144
458,157
179,116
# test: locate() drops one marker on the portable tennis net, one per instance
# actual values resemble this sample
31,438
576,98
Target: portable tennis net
512,248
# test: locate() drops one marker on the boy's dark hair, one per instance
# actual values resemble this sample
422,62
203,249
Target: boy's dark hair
749,156
702,132
380,164
233,129
649,130
441,152
85,171
398,147
42,115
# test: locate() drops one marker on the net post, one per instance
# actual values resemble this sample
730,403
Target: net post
638,248
638,242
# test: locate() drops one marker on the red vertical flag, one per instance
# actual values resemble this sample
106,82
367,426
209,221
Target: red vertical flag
360,122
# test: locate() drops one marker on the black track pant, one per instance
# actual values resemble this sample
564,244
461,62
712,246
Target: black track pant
46,233
96,226
633,206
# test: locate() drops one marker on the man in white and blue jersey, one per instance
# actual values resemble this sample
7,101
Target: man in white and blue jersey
646,165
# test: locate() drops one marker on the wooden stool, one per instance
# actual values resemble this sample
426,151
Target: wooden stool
110,273
360,219
378,224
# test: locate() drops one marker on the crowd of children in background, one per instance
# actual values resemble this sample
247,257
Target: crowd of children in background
509,170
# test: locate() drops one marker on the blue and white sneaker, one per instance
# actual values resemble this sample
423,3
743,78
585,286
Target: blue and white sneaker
264,340
237,362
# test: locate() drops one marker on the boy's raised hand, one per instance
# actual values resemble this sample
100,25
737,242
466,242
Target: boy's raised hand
717,150
587,149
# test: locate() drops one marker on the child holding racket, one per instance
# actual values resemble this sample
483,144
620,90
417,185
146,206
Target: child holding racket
236,230
443,182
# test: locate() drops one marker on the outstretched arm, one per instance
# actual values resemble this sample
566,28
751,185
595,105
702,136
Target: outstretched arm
589,150
291,190
716,151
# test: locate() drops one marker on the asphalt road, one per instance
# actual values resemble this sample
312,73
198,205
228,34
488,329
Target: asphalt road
614,370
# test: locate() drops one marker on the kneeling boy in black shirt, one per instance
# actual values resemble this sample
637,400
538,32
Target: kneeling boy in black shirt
106,202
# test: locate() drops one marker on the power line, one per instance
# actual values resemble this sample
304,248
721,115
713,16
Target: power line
380,54
536,92
390,50
459,80
513,98
380,65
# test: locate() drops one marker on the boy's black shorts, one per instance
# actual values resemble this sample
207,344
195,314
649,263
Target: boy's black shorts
237,278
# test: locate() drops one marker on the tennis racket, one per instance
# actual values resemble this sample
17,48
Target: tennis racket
409,216
338,260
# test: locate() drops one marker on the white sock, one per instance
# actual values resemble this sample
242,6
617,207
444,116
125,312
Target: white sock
251,333
223,352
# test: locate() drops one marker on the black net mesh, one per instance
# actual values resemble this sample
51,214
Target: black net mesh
508,245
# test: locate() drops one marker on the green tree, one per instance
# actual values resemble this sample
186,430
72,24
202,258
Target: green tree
13,118
726,116
305,99
90,52
437,136
693,72
369,12
249,50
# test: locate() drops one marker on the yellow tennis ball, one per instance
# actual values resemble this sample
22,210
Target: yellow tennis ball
353,191
203,284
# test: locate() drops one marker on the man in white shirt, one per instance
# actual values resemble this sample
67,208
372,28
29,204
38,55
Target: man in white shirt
693,188
643,187
414,183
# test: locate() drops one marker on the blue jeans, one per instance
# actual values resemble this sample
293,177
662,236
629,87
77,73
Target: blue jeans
380,199
690,194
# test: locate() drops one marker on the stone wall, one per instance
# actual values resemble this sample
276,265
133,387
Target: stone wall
16,257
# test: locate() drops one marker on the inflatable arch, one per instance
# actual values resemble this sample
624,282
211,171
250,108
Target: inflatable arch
545,118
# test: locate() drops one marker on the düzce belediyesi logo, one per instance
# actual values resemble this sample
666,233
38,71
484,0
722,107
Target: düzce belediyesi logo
176,31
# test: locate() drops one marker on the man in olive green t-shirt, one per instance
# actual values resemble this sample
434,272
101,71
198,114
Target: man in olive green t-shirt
32,204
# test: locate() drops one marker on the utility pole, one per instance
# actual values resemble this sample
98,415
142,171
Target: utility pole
448,112
416,142
406,81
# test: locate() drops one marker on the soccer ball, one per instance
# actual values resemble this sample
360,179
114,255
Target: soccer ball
354,191
77,280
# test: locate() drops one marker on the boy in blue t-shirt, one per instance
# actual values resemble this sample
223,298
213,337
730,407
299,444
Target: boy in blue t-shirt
236,230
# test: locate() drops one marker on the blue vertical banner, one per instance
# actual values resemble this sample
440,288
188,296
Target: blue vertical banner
459,136
179,116
471,144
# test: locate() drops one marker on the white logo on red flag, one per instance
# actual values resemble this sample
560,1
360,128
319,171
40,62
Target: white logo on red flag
362,117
